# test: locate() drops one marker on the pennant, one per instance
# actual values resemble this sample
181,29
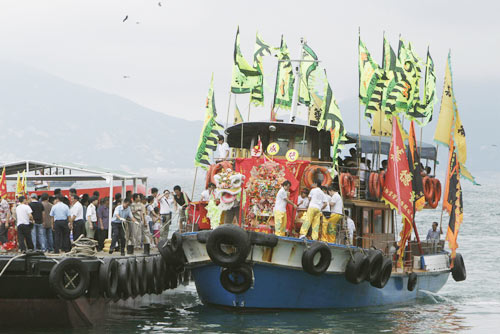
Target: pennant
415,170
446,114
237,115
330,113
369,73
381,125
19,185
283,93
245,77
423,109
453,203
315,113
307,74
257,149
24,184
3,185
208,137
261,50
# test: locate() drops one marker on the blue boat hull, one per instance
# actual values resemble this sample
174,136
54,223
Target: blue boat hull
277,287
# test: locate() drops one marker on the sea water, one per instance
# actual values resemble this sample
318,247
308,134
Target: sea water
469,306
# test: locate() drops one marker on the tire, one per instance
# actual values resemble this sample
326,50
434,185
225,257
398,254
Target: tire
202,236
176,242
108,278
357,269
134,277
230,235
412,281
263,239
150,274
168,255
324,261
160,275
74,286
384,275
142,276
124,280
458,271
237,280
375,259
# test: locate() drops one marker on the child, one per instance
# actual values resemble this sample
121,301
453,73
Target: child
156,225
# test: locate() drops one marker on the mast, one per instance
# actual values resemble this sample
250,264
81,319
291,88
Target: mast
296,86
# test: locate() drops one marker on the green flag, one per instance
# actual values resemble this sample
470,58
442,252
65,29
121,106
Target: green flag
330,113
307,74
369,74
423,108
245,77
209,132
261,50
283,91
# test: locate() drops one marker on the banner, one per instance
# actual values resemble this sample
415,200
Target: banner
445,121
424,108
452,202
283,91
330,113
3,185
245,77
261,50
308,69
415,170
237,115
369,74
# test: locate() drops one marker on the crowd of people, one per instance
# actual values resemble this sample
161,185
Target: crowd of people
50,223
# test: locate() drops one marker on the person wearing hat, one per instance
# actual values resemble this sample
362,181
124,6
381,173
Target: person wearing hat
37,233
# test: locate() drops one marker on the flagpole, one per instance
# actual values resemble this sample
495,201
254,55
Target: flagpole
249,106
359,120
194,182
228,108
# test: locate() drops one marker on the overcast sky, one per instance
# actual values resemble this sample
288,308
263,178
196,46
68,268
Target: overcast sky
168,52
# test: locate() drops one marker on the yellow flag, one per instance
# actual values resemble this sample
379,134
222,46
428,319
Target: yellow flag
381,125
460,138
19,185
237,115
445,121
24,184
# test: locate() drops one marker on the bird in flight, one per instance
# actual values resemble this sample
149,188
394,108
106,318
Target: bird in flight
159,4
126,77
125,19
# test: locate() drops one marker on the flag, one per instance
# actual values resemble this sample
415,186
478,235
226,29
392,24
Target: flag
308,69
335,137
257,149
330,113
3,185
208,137
314,109
415,170
261,50
423,109
24,185
445,121
245,77
19,186
381,125
237,115
283,93
369,73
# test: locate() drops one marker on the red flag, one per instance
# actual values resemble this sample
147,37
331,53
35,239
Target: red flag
3,185
257,149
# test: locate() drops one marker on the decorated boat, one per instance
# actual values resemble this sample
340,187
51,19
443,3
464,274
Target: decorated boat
238,257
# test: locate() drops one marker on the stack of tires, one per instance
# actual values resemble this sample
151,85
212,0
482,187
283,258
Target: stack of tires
372,267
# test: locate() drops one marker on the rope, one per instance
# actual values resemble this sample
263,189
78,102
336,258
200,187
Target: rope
9,262
83,247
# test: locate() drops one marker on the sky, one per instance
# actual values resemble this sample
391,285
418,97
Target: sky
162,57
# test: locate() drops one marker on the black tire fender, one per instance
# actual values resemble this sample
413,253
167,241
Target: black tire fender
357,268
150,274
74,286
384,275
108,278
134,277
124,279
263,239
237,280
412,281
458,271
160,275
168,255
176,242
142,275
375,259
202,236
230,235
324,261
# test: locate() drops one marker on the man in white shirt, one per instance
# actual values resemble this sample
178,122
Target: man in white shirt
91,219
24,221
208,193
329,227
223,150
351,227
76,214
280,209
313,215
167,206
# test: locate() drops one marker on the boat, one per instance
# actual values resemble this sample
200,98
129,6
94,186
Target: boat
244,264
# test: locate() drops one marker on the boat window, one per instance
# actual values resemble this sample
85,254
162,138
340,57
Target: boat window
378,216
302,146
284,145
366,221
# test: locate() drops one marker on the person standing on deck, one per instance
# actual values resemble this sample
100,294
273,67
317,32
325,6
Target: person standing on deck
208,193
351,228
47,222
4,220
24,221
167,206
433,234
313,214
223,151
280,220
77,222
122,212
329,228
60,213
182,201
37,232
103,222
139,213
149,210
91,218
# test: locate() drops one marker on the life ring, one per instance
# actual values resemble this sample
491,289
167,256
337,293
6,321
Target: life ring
108,278
150,274
311,171
230,235
69,279
382,180
216,169
347,185
458,271
384,275
374,185
142,275
176,241
428,189
324,261
357,269
375,259
371,189
124,279
436,184
412,281
237,280
160,275
134,277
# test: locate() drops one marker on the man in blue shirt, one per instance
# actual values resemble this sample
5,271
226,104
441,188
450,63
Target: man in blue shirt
121,214
434,234
60,212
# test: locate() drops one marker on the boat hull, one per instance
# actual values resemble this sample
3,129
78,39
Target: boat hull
278,287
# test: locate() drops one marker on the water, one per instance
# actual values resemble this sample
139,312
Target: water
470,306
